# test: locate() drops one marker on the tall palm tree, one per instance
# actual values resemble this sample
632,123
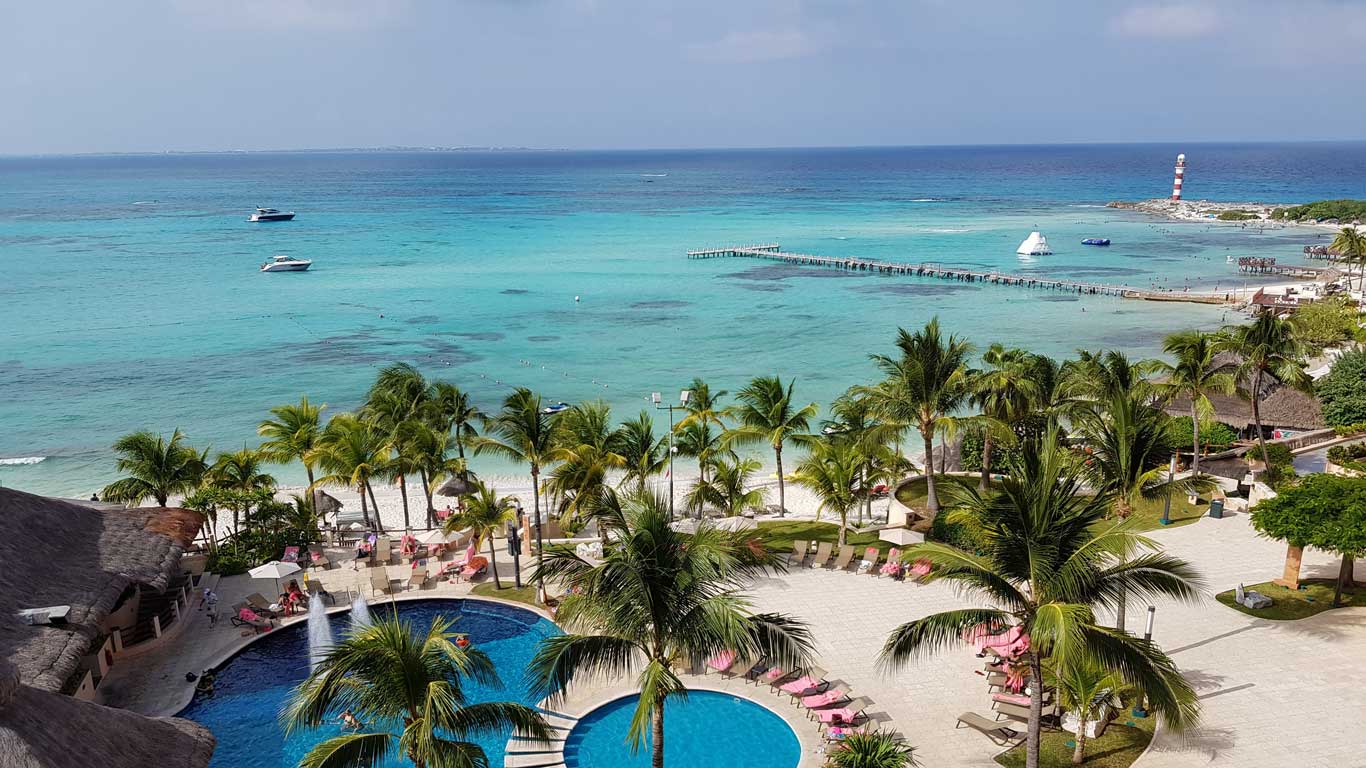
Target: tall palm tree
451,410
523,431
923,384
292,434
1350,244
1004,392
704,404
390,675
1130,447
155,467
428,450
643,454
583,450
702,440
727,490
485,514
856,420
352,451
1087,690
1266,347
1047,563
1195,375
239,471
831,471
657,599
768,414
399,397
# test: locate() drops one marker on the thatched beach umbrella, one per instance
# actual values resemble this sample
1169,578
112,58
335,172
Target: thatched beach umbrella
325,504
456,486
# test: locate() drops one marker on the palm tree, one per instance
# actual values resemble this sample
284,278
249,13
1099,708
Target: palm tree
641,452
387,674
155,466
659,598
701,440
1350,244
703,404
875,749
352,451
832,471
1195,375
239,471
292,434
767,413
1266,347
1047,563
1129,444
399,397
523,431
855,420
923,385
1087,690
486,514
727,490
428,450
1004,392
451,410
583,448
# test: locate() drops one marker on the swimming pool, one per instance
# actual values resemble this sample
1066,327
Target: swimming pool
252,687
707,730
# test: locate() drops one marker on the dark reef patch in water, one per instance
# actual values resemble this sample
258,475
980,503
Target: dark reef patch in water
660,304
543,338
514,291
784,271
423,320
1058,298
763,288
917,289
475,335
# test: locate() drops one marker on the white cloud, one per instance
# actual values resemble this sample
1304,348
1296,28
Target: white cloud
1172,21
760,45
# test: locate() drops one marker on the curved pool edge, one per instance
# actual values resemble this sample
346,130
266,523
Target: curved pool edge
227,655
812,754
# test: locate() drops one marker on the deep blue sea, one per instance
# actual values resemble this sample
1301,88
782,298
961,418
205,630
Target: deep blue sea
131,297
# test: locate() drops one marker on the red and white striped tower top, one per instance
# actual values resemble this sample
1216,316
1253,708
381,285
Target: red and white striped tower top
1180,173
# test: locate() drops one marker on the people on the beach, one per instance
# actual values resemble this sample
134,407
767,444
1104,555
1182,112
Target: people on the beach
205,685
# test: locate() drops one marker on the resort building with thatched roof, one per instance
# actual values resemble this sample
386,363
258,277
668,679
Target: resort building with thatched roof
1283,408
89,568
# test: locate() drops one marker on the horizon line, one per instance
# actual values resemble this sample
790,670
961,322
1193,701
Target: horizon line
794,147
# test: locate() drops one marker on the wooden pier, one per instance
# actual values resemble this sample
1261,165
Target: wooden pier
773,252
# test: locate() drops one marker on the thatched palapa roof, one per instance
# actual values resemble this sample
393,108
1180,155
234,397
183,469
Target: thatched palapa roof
40,729
1282,407
54,552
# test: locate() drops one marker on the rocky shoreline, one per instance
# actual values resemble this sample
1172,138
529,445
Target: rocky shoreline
1207,210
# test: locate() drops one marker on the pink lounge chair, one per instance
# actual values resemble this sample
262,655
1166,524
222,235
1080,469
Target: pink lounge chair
774,676
1008,644
723,661
842,732
893,565
291,555
845,715
805,685
818,700
1018,699
477,566
920,569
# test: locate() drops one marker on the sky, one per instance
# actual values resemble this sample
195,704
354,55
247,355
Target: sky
156,75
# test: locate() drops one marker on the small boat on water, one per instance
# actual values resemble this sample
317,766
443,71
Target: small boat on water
271,214
1034,245
1096,241
286,264
556,408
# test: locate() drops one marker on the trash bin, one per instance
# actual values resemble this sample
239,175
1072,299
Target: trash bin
1216,508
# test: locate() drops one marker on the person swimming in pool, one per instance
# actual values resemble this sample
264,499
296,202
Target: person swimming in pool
350,722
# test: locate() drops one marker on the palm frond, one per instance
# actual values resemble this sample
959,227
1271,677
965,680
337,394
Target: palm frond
934,633
352,750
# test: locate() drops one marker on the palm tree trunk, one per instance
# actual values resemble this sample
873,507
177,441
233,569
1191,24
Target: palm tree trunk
1195,430
309,470
427,494
931,500
782,498
1344,577
403,491
364,511
379,522
1257,415
1119,609
657,736
1035,730
986,461
536,510
493,562
1079,754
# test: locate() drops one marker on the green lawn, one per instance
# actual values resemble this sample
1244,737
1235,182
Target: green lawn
1313,596
1147,514
1124,740
779,534
527,594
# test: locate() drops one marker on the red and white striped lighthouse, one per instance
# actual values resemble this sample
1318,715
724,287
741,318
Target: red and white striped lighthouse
1180,174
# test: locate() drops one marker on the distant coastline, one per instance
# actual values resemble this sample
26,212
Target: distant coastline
1259,214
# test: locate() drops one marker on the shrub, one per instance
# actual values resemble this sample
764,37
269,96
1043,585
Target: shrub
229,561
1213,437
954,534
1343,390
1236,216
1349,456
1342,210
1325,323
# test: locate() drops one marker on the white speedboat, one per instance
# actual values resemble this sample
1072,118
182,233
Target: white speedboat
271,214
286,264
1034,245
556,408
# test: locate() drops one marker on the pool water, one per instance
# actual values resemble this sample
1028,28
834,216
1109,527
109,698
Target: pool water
254,685
707,730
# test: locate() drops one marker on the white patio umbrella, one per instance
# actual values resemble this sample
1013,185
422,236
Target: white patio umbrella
274,570
898,535
438,536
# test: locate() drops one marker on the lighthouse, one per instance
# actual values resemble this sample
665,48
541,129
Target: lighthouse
1180,174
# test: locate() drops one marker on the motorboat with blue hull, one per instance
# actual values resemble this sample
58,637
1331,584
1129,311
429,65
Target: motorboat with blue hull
271,214
1096,241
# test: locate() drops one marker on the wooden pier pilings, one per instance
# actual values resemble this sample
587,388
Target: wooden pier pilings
774,252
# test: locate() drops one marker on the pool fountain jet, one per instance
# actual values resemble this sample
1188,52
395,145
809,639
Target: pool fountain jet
360,612
319,634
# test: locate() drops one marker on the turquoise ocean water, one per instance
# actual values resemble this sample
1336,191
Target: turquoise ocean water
131,299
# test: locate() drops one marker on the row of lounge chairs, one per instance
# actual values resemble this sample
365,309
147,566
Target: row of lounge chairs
871,562
1009,706
468,568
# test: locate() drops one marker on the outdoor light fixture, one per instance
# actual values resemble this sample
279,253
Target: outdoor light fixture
683,397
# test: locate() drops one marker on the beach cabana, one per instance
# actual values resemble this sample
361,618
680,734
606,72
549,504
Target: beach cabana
90,560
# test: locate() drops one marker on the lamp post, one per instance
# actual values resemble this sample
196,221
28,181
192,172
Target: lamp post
1141,709
1166,508
660,405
